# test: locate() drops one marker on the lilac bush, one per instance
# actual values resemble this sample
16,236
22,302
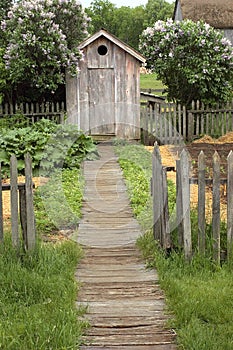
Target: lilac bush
193,60
43,38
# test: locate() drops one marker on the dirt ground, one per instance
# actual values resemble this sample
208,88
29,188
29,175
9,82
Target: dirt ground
6,194
208,145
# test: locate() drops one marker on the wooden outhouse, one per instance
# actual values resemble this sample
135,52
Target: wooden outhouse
104,99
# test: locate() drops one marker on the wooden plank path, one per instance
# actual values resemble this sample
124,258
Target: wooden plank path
125,305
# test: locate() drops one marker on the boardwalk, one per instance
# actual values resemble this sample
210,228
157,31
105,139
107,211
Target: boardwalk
124,302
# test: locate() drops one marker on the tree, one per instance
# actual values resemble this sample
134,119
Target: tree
42,39
102,14
129,24
157,10
193,60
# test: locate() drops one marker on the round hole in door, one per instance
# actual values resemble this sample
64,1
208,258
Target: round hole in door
102,50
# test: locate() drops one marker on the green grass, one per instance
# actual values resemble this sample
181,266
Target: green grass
58,202
199,294
37,298
149,81
38,290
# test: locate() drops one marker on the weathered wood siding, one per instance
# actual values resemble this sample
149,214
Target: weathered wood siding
105,98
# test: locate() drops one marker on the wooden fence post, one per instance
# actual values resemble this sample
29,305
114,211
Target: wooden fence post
216,207
14,201
1,212
230,205
185,192
31,231
157,189
179,216
190,126
166,238
201,202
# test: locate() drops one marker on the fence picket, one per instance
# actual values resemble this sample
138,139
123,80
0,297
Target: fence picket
216,207
185,193
30,218
1,209
14,201
230,204
157,194
183,219
179,216
201,202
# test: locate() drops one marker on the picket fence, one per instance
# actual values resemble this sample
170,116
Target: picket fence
160,194
35,111
169,123
21,206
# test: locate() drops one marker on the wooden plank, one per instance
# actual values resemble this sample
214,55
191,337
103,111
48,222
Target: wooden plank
230,205
1,208
185,191
14,201
129,347
201,202
216,207
23,215
179,213
31,230
157,194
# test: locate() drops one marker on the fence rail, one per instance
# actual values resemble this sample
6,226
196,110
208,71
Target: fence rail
183,212
169,123
21,205
35,111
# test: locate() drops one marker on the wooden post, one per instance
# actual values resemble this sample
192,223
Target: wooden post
14,201
230,205
23,216
190,126
1,212
166,238
179,214
216,207
31,231
184,167
157,189
201,202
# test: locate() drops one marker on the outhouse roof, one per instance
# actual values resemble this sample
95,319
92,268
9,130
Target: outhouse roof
115,40
217,13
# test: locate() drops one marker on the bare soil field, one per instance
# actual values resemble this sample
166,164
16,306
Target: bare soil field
208,145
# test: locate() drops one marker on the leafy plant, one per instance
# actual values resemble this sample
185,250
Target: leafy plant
50,146
193,60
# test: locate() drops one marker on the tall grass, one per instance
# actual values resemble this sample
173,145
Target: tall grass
38,290
199,294
37,298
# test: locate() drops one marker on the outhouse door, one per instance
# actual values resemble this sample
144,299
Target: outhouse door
102,101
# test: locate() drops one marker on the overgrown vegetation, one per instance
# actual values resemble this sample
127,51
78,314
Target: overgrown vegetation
38,289
37,298
50,145
199,294
58,202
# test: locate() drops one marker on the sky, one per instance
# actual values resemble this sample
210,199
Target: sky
119,3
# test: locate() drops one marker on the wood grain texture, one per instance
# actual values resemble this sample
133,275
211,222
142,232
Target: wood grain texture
125,305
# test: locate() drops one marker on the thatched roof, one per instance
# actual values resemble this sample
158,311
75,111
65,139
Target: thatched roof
218,13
